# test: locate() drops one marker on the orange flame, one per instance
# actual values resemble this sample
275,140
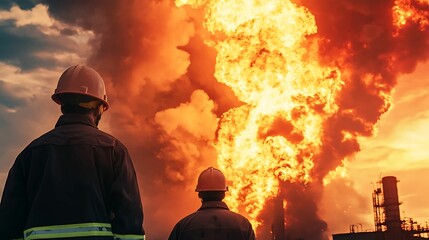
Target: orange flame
404,12
267,56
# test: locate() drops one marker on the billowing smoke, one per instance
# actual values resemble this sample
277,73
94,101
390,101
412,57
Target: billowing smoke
166,103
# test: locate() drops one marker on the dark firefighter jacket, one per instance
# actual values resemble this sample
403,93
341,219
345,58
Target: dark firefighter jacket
213,221
73,182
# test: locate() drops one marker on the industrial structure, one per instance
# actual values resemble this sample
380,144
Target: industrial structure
387,220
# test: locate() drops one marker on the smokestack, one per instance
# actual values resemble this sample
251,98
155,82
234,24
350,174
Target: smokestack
391,206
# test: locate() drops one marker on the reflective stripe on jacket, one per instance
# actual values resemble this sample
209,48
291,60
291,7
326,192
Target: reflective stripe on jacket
73,180
69,230
76,230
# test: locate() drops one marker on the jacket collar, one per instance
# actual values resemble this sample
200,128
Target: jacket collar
75,119
213,204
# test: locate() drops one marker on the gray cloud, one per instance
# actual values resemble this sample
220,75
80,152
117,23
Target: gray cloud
7,98
24,4
21,45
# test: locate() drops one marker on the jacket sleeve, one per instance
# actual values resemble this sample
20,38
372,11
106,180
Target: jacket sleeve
124,198
13,205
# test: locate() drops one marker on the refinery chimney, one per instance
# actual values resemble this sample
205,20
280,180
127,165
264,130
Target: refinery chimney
391,207
388,223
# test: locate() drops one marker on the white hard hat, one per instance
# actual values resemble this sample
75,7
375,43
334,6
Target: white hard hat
81,80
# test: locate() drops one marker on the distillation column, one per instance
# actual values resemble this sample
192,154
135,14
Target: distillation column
391,207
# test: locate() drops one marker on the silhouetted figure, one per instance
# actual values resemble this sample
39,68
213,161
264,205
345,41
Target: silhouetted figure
75,181
213,221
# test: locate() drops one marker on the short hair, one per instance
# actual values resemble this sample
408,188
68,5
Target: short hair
211,195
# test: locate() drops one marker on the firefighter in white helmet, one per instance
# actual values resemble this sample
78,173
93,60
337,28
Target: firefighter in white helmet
75,181
213,220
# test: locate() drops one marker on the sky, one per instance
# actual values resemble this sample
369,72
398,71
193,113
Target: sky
166,102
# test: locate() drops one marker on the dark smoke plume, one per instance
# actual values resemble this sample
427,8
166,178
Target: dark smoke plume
358,37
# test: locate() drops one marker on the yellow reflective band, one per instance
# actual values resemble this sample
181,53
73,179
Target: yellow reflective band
128,237
69,230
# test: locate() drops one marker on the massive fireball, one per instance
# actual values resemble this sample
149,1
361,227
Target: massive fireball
268,55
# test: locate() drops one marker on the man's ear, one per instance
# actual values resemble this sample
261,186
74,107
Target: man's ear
100,109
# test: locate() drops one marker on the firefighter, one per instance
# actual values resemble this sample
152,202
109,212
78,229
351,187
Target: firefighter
75,181
213,220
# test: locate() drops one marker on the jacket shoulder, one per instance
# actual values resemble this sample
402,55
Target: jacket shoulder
74,135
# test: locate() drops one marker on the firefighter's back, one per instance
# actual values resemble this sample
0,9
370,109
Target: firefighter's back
69,172
215,224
